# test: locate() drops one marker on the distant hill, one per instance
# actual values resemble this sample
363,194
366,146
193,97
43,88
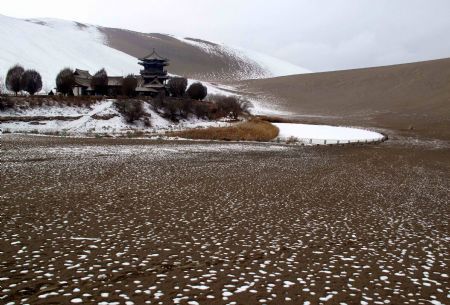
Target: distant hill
48,45
402,97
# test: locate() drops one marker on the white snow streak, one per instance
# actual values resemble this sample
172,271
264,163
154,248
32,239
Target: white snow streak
320,133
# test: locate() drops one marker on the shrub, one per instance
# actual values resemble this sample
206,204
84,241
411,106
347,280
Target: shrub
159,101
129,85
197,91
5,103
176,108
31,81
231,106
177,86
173,108
13,79
65,81
99,82
132,110
202,110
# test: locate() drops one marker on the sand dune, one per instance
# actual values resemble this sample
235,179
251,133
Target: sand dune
410,97
200,59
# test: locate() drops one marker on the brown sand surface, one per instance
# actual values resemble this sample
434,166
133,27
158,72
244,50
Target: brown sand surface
411,98
145,222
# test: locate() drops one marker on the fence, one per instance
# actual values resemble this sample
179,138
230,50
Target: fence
312,142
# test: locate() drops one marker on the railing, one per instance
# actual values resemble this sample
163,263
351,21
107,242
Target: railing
309,141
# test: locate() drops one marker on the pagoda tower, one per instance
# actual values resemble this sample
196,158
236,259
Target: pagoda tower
154,74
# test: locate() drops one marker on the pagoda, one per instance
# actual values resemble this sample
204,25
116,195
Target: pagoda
154,75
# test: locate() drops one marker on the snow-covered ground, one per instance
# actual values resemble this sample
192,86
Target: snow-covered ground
324,134
104,118
101,118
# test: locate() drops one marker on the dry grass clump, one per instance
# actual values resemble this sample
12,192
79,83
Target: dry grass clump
253,130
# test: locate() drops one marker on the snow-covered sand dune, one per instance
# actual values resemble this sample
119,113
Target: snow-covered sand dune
48,45
260,65
324,134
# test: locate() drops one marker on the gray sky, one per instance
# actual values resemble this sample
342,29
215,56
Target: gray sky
317,34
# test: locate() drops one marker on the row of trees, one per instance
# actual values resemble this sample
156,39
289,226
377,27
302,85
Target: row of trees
18,79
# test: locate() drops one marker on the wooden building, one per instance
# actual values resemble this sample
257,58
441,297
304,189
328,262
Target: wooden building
82,82
154,75
151,81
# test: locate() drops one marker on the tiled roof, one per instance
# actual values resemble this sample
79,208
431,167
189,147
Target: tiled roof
82,73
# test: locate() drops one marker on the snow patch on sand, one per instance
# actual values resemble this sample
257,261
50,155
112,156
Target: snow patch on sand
324,134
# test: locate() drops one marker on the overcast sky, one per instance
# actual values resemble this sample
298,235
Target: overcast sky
317,34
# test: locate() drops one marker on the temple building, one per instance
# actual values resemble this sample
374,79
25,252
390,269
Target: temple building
154,75
82,82
151,81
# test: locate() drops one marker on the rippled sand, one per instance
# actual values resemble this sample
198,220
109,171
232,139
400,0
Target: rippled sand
110,221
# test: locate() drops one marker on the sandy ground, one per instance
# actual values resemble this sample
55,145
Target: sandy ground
141,222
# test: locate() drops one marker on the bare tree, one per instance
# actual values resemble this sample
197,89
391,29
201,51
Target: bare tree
177,86
197,91
65,81
231,106
99,82
31,81
13,78
129,85
132,110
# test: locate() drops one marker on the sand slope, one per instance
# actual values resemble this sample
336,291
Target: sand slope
200,59
401,97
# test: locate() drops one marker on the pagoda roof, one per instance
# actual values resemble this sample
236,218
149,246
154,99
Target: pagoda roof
154,56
